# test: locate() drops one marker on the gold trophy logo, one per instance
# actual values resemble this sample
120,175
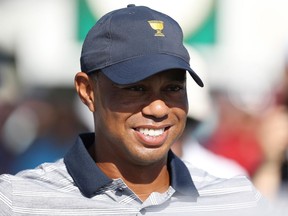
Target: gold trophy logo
157,25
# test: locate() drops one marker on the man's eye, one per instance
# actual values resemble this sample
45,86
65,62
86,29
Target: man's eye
175,88
136,88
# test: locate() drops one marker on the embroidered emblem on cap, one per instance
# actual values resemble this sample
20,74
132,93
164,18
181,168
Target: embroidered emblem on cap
157,25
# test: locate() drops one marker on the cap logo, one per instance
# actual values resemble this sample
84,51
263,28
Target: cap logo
157,25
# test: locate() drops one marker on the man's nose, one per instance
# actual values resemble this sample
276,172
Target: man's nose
156,108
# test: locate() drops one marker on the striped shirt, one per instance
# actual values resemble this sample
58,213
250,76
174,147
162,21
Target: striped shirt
74,185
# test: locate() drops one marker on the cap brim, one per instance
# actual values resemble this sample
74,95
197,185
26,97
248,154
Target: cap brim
137,69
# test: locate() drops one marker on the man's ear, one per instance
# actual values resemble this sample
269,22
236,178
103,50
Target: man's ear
84,89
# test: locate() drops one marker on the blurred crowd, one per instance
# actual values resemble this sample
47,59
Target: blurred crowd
36,124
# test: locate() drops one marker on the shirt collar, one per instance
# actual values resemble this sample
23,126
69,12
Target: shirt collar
89,178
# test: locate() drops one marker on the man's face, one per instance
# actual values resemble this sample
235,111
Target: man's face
137,123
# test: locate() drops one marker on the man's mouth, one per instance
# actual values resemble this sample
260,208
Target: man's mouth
152,136
151,132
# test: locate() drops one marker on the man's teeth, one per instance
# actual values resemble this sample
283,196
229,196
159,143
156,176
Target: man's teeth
151,132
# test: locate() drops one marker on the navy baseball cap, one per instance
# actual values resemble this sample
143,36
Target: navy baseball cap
133,43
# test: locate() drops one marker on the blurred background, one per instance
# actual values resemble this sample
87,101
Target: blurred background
238,47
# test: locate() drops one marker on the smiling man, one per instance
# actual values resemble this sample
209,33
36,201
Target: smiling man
133,80
135,126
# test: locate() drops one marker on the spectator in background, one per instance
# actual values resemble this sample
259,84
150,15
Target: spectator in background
235,133
272,174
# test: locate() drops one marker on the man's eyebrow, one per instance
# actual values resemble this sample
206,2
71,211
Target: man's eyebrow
124,85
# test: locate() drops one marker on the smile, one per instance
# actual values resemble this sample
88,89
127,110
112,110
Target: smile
151,132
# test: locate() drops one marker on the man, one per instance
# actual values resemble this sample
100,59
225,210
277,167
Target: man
133,80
